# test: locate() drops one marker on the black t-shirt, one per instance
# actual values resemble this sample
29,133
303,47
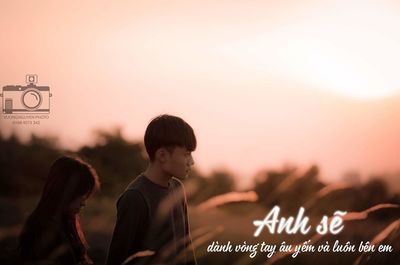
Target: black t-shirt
152,217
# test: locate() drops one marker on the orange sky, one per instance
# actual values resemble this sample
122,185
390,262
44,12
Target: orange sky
262,82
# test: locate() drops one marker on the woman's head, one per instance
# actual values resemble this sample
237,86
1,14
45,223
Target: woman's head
69,183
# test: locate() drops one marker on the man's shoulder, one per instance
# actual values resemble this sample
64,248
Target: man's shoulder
133,193
136,184
131,197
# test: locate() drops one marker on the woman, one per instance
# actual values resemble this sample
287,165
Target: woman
52,233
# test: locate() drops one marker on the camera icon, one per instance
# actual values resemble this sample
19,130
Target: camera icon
26,99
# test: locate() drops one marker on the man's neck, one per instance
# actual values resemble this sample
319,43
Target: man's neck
156,175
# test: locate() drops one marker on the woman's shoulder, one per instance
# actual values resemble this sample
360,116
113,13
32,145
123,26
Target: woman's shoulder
41,239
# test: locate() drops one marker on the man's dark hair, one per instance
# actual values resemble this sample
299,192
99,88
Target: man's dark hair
168,131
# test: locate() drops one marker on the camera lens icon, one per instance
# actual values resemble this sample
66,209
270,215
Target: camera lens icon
31,99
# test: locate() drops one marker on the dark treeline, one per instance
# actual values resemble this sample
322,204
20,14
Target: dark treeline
24,165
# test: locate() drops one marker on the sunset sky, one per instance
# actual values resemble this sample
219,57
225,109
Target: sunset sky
263,83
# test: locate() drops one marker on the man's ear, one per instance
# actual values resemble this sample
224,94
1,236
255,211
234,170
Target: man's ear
161,154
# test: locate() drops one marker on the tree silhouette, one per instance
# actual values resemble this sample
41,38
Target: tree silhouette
116,160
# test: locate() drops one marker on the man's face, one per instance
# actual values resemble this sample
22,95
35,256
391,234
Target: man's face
178,162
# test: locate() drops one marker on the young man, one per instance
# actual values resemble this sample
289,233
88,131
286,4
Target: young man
152,211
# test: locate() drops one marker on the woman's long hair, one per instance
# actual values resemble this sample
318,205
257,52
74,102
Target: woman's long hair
69,178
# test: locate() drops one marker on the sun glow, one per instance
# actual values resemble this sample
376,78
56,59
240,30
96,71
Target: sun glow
347,49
